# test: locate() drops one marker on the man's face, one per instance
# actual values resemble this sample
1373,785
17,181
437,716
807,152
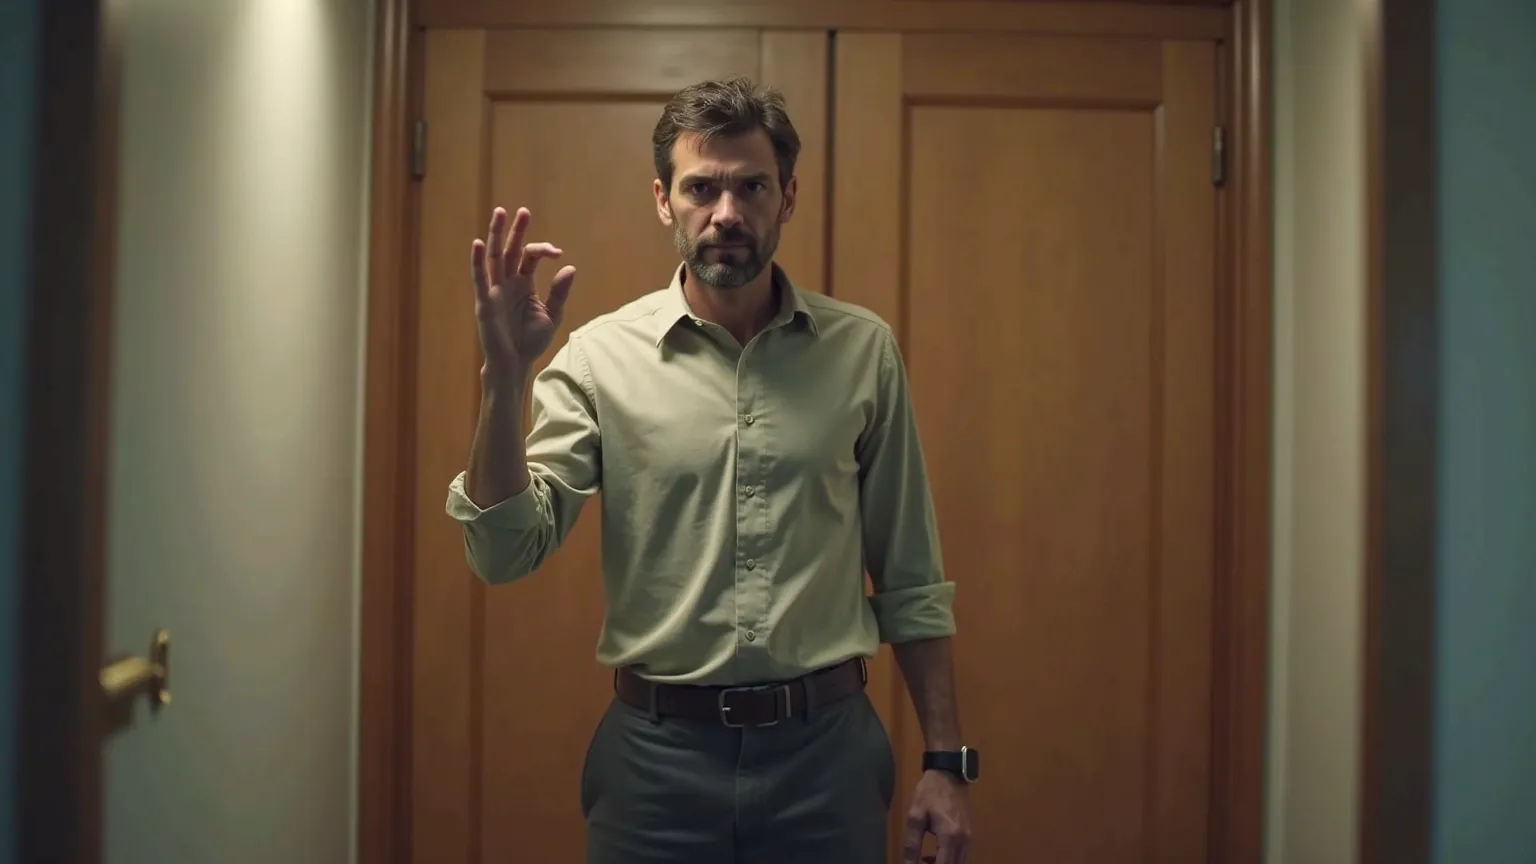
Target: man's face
725,206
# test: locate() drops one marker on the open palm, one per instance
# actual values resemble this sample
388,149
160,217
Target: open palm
516,324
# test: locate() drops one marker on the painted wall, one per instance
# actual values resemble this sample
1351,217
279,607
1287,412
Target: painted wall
1320,387
18,44
1485,737
236,430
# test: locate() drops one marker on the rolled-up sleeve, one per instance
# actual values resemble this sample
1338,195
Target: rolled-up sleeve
911,599
511,538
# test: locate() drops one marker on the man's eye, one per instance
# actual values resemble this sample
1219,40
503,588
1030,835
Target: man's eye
756,186
698,190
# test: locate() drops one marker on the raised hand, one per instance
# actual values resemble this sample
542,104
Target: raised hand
516,325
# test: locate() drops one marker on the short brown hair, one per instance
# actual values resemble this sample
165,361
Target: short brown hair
733,107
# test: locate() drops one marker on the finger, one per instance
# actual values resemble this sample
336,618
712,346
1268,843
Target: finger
515,241
496,244
559,292
533,253
912,845
477,270
952,845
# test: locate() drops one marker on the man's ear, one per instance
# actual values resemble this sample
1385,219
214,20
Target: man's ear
663,203
790,190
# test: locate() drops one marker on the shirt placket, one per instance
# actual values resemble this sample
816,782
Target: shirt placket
753,562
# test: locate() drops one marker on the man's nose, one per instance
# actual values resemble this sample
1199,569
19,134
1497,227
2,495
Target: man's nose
726,213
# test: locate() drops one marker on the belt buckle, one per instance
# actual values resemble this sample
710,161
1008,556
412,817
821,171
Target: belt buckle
725,708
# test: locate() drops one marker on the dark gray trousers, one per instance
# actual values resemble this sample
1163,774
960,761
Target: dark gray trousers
813,790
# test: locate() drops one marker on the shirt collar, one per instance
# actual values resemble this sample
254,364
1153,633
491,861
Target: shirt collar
674,305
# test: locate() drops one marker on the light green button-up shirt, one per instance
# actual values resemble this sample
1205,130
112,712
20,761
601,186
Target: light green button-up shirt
745,491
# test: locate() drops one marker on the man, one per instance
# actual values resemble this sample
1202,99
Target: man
757,452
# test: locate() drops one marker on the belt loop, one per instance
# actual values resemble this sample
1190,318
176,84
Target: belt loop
810,696
655,712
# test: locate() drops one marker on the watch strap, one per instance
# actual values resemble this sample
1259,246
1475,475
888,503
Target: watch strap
963,763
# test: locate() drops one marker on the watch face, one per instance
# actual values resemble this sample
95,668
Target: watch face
970,764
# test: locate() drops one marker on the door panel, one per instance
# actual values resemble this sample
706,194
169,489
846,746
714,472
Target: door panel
1036,217
506,690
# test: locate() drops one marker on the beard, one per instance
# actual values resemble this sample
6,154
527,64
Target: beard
731,267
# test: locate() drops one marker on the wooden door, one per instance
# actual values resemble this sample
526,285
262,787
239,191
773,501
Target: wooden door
505,687
1036,215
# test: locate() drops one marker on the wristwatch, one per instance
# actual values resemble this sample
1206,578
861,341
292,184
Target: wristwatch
964,763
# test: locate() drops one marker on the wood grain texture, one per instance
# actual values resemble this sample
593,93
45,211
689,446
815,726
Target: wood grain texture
866,211
1189,431
1007,68
384,714
1246,317
795,62
445,813
598,63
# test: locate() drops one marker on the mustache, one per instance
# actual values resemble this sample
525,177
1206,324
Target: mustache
734,237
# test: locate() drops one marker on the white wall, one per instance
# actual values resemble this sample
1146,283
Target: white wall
1320,393
235,437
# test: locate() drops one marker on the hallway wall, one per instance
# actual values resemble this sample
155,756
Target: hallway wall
1485,657
236,426
1320,413
18,54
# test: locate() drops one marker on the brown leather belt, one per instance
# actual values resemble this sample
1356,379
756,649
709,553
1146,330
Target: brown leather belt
757,705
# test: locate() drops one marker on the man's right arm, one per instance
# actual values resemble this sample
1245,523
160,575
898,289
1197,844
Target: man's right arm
520,497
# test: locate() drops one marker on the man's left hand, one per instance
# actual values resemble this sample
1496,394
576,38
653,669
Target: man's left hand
941,807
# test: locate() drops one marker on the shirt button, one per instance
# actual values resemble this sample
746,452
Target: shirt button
751,636
750,419
751,564
751,490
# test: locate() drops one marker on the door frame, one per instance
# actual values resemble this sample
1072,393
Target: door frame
1242,28
385,641
1402,408
72,207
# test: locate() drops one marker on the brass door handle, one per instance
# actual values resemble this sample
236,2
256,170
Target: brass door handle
126,678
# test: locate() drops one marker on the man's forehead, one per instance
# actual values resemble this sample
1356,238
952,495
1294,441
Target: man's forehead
723,172
724,156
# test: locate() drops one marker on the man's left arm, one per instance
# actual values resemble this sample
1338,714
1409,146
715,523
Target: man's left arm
912,601
929,671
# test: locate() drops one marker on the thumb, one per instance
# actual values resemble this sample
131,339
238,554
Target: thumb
559,292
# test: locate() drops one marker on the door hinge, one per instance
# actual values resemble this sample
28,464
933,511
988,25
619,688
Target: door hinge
419,150
1219,156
